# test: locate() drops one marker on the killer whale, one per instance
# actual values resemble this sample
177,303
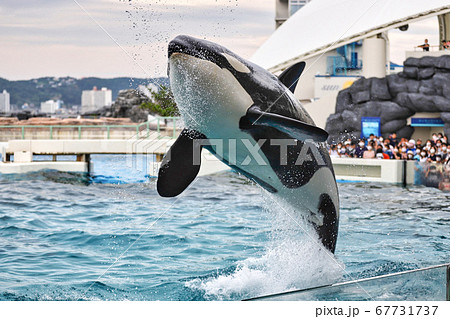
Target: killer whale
235,109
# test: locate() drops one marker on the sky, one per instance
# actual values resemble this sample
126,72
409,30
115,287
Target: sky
110,38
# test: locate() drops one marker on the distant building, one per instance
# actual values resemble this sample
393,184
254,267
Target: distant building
94,99
50,106
5,106
286,8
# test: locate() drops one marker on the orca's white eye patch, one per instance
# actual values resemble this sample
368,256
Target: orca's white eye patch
236,64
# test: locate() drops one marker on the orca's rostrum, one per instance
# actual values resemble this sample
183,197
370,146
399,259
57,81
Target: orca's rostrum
252,122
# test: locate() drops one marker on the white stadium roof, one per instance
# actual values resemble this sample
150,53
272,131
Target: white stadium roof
323,25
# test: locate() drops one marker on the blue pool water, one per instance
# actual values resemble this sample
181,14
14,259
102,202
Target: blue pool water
64,237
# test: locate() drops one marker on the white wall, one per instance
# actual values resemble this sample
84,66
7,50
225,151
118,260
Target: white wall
320,110
324,85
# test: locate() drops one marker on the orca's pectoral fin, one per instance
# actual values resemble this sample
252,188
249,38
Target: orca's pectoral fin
289,77
181,164
295,128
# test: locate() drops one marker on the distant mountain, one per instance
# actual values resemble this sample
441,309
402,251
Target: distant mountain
67,89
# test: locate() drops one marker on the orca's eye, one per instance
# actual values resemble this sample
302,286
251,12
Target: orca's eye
236,64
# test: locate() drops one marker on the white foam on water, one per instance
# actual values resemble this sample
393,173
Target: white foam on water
293,259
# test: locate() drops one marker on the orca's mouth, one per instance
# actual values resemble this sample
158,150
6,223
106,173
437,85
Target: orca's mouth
197,48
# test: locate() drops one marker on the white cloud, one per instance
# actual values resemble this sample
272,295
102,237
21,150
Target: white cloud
56,37
47,37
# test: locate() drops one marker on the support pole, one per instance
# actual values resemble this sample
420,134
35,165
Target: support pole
87,159
448,283
404,166
385,36
374,57
444,28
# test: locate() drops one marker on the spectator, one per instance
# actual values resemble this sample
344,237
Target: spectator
387,148
333,151
419,177
369,152
410,155
438,145
393,139
442,151
396,153
434,137
432,160
380,154
419,143
423,156
371,138
425,46
403,152
432,154
417,154
445,184
447,164
444,45
433,175
360,149
428,145
412,146
351,149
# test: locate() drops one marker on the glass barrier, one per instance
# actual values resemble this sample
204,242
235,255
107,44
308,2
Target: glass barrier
432,175
426,284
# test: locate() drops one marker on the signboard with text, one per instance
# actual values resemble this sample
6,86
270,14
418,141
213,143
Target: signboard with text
427,122
370,125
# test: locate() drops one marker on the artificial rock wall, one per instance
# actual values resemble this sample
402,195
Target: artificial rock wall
127,105
423,86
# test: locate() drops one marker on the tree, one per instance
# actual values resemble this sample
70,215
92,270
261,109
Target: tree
163,102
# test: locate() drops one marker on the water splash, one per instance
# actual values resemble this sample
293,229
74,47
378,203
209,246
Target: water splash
293,259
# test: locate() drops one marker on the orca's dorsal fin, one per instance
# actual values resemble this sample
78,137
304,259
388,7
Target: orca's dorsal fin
181,164
289,77
295,128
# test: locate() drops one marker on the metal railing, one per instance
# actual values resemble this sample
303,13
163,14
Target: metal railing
404,285
143,130
432,48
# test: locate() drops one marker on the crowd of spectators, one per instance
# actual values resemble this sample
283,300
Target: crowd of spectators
433,154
